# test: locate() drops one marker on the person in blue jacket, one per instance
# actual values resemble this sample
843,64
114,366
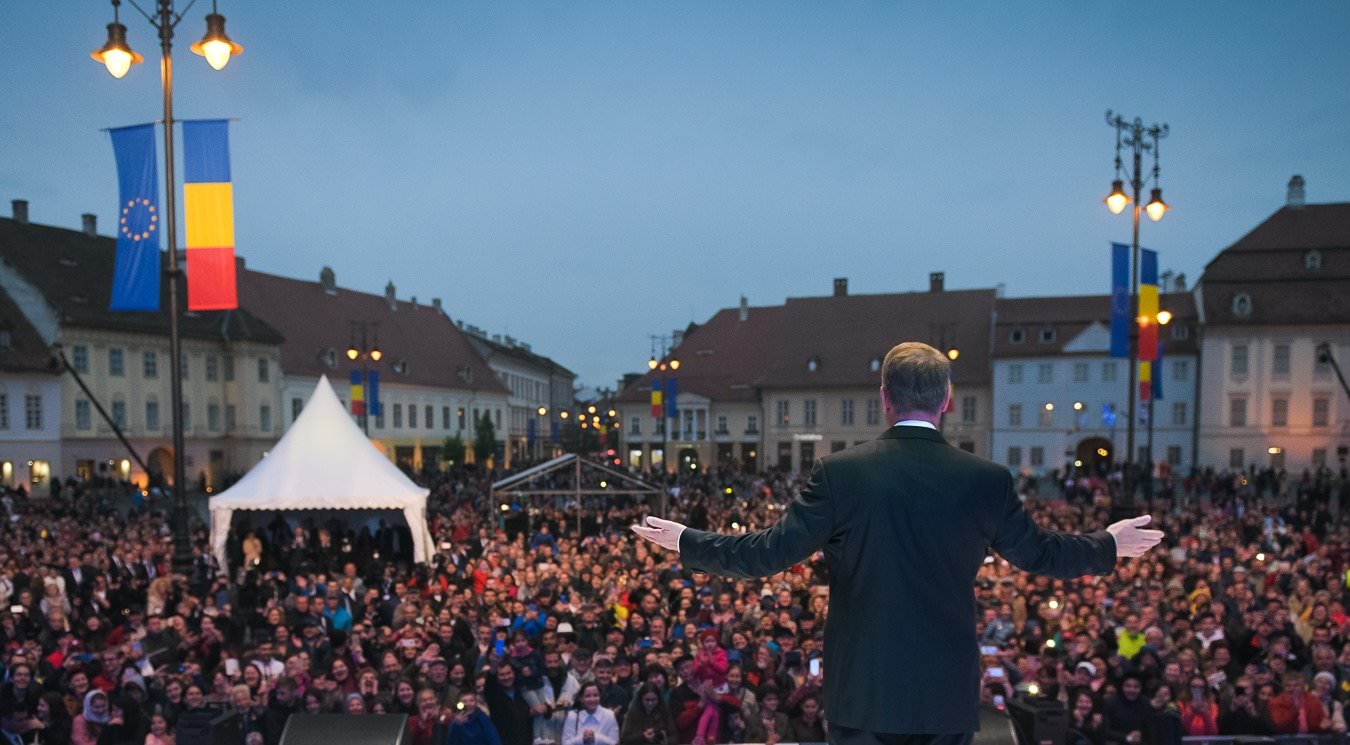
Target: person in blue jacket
470,726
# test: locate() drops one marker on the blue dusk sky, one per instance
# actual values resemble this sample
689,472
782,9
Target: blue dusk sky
581,174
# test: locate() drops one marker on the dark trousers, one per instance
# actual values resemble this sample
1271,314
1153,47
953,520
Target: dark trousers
841,735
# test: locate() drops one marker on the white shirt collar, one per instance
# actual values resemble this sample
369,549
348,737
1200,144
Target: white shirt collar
915,423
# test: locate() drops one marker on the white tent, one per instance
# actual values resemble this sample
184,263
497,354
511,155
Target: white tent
324,462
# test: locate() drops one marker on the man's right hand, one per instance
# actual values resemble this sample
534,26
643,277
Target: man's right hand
1132,539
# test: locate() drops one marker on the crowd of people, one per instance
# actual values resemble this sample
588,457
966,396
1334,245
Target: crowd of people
531,626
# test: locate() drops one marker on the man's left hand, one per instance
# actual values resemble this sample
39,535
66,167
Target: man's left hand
663,533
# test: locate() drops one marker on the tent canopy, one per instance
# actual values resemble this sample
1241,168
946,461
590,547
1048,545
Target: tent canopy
323,462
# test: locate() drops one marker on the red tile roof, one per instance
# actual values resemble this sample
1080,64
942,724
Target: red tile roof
722,358
27,352
313,321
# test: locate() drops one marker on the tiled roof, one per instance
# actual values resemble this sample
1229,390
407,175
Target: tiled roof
27,352
435,352
1270,273
1069,316
73,271
840,336
722,358
527,356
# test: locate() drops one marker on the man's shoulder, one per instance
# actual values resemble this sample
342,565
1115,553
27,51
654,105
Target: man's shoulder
879,451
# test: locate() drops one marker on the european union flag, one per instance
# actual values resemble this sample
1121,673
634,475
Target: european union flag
136,269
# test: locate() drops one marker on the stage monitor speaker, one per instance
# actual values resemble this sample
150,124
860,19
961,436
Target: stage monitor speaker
210,727
996,728
339,729
1040,721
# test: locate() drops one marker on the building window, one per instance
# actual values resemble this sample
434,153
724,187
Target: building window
1108,372
1242,305
227,367
1047,416
1080,372
184,365
150,365
212,368
813,364
1238,363
1236,458
83,420
1279,412
1045,372
297,406
1017,336
783,418
873,412
119,414
4,411
1047,337
79,358
1321,411
1279,362
32,411
1015,456
265,417
497,415
262,370
1319,457
1174,455
1014,415
152,415
969,411
751,424
461,419
809,412
232,417
846,412
635,425
875,364
1181,331
1178,415
213,417
722,425
116,364
1237,412
1312,261
1015,373
1181,370
398,416
1037,456
445,418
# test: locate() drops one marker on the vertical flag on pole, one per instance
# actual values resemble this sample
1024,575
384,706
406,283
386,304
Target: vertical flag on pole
136,270
373,405
1145,380
1148,304
358,394
1157,374
657,406
1120,300
671,410
208,203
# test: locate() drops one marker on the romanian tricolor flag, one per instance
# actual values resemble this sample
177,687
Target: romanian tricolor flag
358,394
657,408
1148,305
1145,380
208,202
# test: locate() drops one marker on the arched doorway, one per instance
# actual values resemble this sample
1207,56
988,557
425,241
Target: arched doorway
1095,454
688,460
160,462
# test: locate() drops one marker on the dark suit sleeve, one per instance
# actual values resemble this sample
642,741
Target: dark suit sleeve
1065,555
804,529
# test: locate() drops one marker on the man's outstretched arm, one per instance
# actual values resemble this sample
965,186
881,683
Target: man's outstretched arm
803,530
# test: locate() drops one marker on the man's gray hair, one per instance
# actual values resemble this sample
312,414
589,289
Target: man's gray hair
916,377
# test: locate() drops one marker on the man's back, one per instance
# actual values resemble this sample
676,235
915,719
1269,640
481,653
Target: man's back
905,522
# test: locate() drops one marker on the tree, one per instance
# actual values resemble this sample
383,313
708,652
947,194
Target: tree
485,439
453,450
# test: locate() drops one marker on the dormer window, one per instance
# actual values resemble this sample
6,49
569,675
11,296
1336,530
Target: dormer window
1312,261
1017,336
1181,331
813,364
330,358
1047,336
875,364
1242,305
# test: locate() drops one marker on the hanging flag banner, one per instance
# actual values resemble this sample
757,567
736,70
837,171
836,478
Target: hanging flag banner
373,383
656,399
1157,373
208,204
1120,300
136,269
1145,380
671,410
358,394
1148,304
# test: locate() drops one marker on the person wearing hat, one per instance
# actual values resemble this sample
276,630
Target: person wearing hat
906,522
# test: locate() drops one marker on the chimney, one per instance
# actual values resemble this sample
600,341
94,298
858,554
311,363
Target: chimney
676,338
1181,282
389,296
436,305
20,211
90,222
841,286
413,301
328,279
1296,198
935,281
745,309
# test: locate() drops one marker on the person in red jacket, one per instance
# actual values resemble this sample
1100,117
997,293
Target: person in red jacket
710,672
1297,712
1199,712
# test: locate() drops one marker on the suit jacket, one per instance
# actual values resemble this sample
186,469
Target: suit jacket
905,522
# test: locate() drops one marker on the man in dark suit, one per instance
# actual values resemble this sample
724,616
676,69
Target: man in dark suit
905,521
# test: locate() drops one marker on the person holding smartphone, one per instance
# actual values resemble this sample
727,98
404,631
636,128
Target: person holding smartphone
1199,712
468,724
591,723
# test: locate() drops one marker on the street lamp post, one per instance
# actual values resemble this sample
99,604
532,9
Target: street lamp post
1139,140
667,365
368,352
118,57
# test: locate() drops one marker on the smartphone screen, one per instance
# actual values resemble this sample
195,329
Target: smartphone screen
814,666
998,701
989,650
501,647
996,672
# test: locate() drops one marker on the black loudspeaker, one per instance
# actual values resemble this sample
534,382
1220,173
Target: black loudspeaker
996,728
210,727
339,729
1040,721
